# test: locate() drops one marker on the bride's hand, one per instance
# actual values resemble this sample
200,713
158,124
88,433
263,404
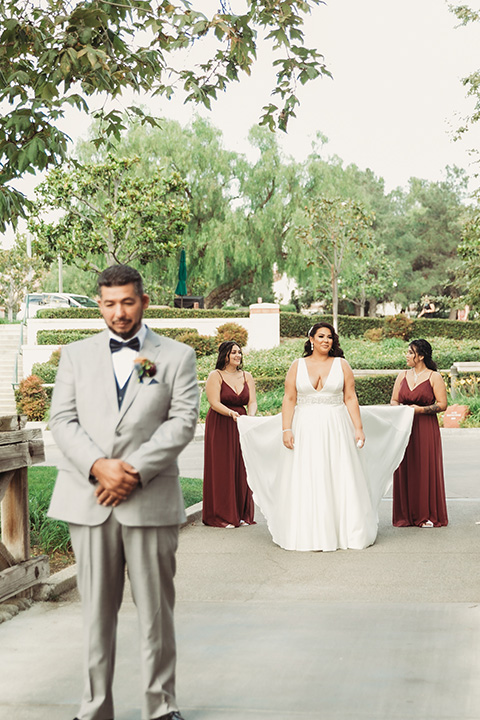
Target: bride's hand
359,438
288,440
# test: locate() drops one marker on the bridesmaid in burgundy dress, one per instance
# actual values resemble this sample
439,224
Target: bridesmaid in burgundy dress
418,484
227,499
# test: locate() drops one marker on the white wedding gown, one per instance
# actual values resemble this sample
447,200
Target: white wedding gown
323,494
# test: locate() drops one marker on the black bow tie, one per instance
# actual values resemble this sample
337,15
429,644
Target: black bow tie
116,345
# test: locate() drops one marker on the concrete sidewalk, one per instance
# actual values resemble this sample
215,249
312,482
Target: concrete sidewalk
391,632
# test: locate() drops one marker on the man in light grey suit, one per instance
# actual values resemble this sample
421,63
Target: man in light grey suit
120,422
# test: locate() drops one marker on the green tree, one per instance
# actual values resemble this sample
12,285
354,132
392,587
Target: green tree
471,82
469,251
423,233
61,53
335,232
367,278
19,274
110,214
74,280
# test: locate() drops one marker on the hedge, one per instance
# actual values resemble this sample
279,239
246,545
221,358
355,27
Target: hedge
454,329
371,389
152,312
65,337
295,324
374,389
264,384
47,371
298,325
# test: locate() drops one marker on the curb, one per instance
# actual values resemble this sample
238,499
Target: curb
66,579
10,608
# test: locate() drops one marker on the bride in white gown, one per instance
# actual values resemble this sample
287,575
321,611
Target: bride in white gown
320,488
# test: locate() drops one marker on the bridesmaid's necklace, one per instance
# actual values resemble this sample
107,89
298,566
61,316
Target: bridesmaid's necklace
415,376
230,372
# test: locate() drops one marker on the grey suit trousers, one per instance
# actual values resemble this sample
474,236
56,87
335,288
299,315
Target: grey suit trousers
102,551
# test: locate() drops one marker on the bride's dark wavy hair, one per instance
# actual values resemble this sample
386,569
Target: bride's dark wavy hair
422,347
335,350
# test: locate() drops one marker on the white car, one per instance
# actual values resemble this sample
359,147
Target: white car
37,301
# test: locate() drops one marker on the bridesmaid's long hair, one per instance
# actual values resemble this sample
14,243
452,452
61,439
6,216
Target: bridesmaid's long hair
335,350
224,351
423,347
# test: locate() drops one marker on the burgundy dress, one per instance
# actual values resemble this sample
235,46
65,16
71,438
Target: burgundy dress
227,499
418,484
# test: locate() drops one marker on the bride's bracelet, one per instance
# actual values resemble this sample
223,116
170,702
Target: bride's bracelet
287,430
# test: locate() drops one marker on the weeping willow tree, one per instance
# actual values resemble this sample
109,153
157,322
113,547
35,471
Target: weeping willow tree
240,211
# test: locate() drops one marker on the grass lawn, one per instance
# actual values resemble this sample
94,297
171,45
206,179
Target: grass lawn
51,537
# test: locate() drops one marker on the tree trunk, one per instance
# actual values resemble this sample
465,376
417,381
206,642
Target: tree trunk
335,299
219,295
372,307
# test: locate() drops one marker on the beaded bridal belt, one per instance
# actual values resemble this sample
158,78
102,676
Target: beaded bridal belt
319,400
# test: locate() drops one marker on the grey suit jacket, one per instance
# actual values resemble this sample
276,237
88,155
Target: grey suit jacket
156,421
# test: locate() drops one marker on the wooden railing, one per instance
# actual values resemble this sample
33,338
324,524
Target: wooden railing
19,448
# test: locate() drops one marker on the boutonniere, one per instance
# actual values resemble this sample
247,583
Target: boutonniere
145,368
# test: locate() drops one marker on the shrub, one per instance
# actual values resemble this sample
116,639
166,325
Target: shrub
202,344
468,385
47,371
31,398
232,331
54,358
374,334
399,326
174,333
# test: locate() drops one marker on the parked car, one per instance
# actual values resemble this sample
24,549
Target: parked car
37,301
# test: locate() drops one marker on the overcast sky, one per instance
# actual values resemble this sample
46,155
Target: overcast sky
395,99
396,95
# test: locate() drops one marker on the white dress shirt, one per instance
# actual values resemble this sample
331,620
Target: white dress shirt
124,359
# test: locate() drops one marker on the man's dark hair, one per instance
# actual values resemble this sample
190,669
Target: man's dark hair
116,275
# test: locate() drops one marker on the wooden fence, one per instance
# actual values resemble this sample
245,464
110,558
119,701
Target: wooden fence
19,448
